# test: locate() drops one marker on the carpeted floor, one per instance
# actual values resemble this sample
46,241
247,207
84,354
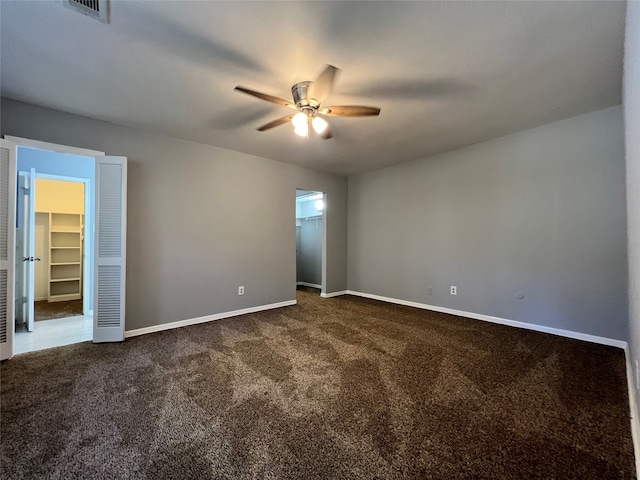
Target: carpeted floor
48,310
340,388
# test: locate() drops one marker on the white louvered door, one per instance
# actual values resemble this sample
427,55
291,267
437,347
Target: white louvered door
7,246
110,251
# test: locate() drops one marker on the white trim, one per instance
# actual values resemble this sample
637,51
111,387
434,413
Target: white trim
333,294
307,284
27,142
502,321
633,407
207,318
325,212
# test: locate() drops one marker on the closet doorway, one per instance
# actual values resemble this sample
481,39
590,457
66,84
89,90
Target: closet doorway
310,238
107,255
54,226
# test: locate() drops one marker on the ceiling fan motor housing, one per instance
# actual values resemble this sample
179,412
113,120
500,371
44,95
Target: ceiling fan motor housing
300,97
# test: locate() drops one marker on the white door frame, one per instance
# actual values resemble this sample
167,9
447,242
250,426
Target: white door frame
88,234
67,150
55,147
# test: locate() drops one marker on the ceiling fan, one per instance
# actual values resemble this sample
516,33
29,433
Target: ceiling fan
307,97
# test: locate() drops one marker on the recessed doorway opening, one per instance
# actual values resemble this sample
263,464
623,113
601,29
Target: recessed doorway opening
310,237
54,268
104,255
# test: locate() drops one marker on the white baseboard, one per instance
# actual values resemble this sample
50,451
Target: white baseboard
207,318
307,284
40,299
502,321
333,294
633,406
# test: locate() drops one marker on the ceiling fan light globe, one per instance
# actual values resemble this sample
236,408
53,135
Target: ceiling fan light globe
302,130
319,125
299,120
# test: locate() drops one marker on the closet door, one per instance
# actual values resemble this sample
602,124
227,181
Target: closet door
7,246
25,250
110,243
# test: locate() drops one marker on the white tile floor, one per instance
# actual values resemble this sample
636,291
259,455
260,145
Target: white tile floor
53,333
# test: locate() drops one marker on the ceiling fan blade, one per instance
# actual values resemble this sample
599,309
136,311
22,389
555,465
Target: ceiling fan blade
323,85
264,96
350,111
275,123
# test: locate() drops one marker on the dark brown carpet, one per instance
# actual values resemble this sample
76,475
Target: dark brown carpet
341,388
48,310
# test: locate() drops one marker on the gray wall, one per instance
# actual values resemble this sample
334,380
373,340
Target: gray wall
631,99
201,220
540,212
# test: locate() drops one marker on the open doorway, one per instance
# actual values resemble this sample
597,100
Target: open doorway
54,226
310,210
106,253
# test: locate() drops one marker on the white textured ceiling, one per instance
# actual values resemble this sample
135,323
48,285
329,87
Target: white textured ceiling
445,74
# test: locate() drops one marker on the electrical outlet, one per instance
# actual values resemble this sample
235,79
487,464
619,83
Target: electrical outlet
454,290
241,290
429,291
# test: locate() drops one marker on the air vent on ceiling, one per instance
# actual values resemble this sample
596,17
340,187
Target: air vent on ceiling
98,9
